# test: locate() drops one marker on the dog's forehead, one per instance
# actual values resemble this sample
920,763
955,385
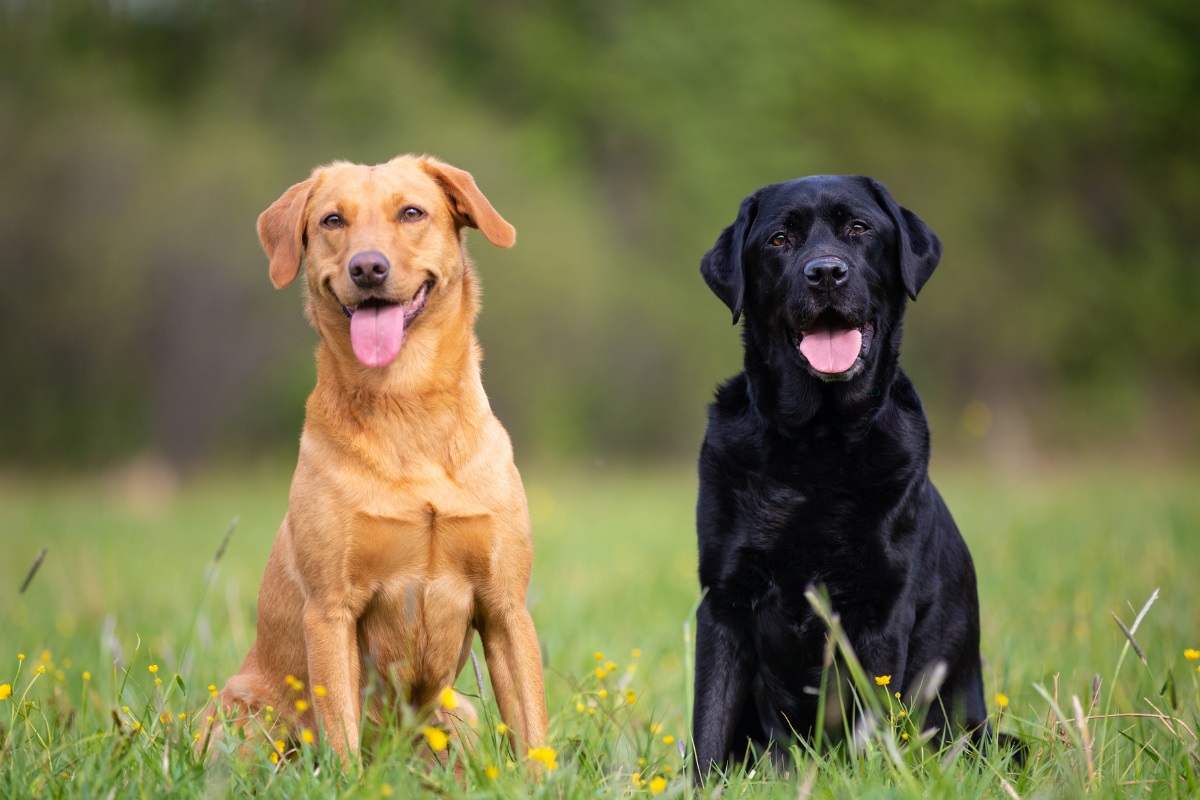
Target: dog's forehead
831,197
397,181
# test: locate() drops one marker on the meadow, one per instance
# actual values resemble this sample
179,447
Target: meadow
108,655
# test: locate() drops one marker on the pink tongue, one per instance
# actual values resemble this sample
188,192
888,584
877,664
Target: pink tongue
376,334
831,351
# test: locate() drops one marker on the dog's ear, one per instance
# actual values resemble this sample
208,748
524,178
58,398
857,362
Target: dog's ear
919,248
722,265
281,231
468,204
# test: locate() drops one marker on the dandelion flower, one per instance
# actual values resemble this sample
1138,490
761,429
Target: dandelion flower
307,736
153,668
5,691
668,739
658,784
1191,654
302,706
1002,700
501,728
883,680
449,699
491,772
546,755
437,739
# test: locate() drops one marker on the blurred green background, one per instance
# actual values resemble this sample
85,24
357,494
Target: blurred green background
1052,145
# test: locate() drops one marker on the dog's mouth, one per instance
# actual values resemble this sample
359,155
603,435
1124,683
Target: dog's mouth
378,325
833,346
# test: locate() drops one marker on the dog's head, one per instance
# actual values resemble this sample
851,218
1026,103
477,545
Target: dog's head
380,244
820,266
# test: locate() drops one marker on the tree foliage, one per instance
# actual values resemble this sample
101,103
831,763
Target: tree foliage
1052,145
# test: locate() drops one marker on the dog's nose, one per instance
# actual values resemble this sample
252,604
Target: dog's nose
369,269
826,272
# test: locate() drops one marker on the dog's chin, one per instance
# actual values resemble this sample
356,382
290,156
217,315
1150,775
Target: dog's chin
833,349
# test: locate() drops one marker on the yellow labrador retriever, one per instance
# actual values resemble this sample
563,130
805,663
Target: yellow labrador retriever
407,527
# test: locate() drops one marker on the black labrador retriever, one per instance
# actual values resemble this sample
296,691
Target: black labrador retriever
814,472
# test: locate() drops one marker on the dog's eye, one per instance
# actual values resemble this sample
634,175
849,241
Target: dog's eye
858,227
411,214
332,221
779,240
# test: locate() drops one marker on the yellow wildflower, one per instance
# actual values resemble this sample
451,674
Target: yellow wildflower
437,739
302,706
897,695
610,666
1191,654
41,669
87,676
630,697
274,758
20,656
5,691
904,736
637,779
491,772
603,693
501,728
658,784
449,699
580,707
385,790
307,736
158,681
1001,700
656,727
598,655
46,656
319,691
883,680
546,755
636,653
668,739
153,668
641,762
279,745
600,673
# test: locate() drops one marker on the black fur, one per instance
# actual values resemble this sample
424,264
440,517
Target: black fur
812,479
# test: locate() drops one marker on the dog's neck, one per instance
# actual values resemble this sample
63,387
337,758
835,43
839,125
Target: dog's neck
434,384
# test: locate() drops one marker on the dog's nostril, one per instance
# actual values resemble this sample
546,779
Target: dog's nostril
368,268
826,271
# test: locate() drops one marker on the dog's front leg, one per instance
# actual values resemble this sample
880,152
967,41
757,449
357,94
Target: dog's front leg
333,664
514,661
724,666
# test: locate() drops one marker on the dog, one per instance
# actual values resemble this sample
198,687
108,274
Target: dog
814,472
407,528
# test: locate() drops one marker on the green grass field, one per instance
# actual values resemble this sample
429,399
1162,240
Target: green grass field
126,585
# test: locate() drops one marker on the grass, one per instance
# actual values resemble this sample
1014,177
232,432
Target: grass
130,582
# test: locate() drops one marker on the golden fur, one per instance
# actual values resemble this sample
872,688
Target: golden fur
407,528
